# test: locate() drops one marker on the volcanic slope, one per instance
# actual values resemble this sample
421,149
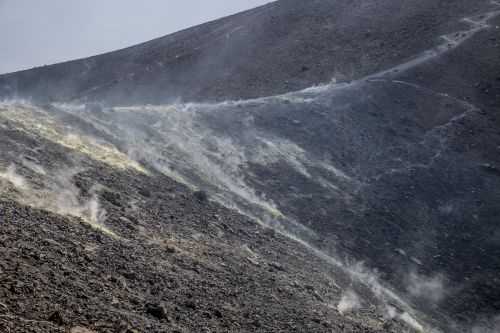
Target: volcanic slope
394,163
92,242
280,47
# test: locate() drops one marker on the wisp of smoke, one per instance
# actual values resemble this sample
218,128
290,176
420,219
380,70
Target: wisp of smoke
349,302
60,196
13,177
430,289
410,321
69,201
393,313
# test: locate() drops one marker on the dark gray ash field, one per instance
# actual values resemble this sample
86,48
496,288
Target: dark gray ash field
305,166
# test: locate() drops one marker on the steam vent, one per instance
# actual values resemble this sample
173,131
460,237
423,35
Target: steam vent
304,166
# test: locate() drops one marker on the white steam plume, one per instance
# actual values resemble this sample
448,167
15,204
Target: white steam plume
11,175
428,288
349,302
59,195
393,313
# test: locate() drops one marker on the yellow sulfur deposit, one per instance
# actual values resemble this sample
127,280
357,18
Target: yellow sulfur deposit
36,121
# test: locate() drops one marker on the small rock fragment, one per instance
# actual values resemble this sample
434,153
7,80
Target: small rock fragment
277,266
156,310
170,249
217,313
56,318
190,305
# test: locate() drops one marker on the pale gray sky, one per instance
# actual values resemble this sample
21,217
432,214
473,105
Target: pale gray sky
40,32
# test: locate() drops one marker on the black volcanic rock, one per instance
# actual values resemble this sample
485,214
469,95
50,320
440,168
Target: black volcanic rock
156,310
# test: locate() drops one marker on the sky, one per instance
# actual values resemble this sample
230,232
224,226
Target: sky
43,32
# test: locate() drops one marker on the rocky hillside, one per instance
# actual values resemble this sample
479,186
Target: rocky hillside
304,166
91,242
283,46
